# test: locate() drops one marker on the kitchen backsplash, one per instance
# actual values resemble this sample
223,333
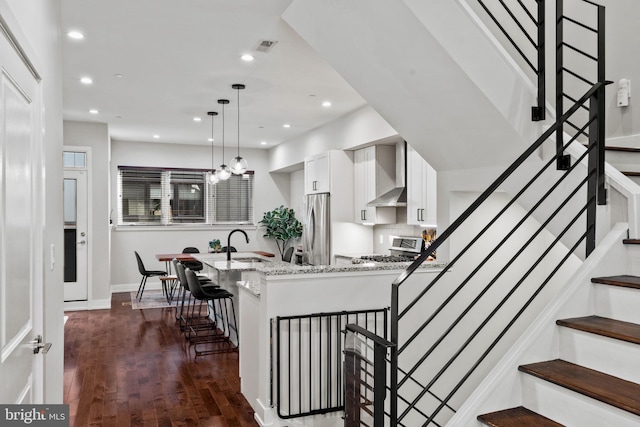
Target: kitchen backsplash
383,233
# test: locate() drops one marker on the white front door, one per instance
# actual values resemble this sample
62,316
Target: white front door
21,229
75,235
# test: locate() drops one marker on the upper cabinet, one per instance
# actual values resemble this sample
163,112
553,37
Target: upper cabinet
374,174
316,174
421,190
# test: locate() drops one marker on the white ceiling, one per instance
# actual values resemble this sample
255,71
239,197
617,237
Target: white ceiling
178,57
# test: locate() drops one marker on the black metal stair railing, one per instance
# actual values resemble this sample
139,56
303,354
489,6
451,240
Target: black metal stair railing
580,53
487,287
525,24
365,373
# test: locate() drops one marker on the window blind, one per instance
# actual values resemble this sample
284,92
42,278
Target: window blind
231,201
156,196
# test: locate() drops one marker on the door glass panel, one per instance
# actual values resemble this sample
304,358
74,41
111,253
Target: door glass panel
70,211
70,219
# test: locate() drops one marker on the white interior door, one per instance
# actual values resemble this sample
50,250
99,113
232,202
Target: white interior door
75,235
21,217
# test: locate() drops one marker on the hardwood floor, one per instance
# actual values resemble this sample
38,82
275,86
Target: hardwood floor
125,367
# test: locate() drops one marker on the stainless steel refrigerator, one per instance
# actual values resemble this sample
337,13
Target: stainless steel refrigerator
316,230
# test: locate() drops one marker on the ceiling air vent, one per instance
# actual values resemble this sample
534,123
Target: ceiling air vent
265,45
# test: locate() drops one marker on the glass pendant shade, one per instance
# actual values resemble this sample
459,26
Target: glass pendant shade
238,165
224,173
223,170
213,177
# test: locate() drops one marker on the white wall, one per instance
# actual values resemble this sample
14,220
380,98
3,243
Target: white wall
270,191
96,136
40,32
359,127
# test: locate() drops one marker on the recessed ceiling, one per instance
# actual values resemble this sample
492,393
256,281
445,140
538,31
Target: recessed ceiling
157,64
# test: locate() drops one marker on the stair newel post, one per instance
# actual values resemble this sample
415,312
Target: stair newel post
539,110
592,173
562,160
600,99
393,374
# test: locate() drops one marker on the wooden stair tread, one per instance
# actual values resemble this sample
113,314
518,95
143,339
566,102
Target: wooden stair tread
617,329
624,280
630,173
517,417
631,241
617,148
627,149
597,385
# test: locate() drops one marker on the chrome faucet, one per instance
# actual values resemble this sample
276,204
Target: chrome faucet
229,241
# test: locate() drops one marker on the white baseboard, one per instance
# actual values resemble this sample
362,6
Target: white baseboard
100,304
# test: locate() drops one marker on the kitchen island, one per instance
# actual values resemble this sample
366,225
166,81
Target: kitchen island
268,289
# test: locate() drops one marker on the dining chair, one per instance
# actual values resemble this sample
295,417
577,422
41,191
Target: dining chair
145,275
194,265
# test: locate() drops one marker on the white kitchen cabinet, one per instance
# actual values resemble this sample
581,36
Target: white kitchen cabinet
374,174
421,191
317,174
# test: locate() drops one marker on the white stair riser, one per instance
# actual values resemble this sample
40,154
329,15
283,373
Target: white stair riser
616,302
572,409
608,355
623,160
633,259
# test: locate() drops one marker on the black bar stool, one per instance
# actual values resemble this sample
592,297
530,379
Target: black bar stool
210,332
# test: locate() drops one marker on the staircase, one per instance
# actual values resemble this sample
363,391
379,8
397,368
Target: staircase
626,160
595,382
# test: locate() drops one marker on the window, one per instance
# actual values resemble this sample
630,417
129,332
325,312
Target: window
153,196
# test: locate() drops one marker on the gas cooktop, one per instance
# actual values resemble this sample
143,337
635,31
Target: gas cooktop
387,258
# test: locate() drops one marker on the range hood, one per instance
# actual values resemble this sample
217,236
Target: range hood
398,195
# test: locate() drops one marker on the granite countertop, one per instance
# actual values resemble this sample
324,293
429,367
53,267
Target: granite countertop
249,286
249,261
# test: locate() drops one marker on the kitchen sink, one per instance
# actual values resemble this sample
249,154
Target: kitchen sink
248,259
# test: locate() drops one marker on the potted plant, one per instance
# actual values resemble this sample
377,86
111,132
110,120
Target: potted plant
281,224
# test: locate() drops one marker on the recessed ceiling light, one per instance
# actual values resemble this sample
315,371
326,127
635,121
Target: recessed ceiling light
118,75
263,142
326,104
77,35
247,57
93,111
86,80
286,125
156,136
197,119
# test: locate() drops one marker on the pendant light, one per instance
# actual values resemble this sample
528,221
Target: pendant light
224,173
238,164
213,176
